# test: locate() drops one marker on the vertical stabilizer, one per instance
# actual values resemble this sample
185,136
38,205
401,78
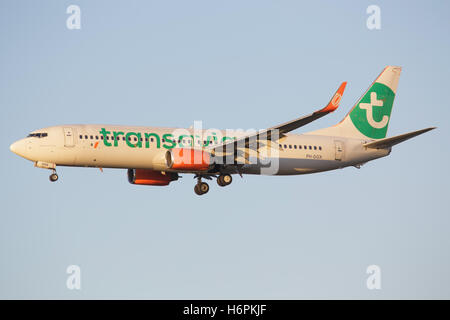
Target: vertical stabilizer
369,117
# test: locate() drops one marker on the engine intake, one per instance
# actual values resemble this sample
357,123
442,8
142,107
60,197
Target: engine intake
161,161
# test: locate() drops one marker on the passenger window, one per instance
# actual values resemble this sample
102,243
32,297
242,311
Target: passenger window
96,137
151,139
81,137
290,146
92,137
320,148
101,137
295,146
86,137
299,146
310,148
315,148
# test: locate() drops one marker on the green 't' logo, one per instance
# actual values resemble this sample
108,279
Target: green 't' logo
371,115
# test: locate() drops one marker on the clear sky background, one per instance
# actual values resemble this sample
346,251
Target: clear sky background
232,64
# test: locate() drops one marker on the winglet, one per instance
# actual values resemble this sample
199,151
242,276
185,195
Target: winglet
335,100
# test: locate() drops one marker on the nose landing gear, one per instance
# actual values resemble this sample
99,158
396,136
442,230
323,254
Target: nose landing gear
54,176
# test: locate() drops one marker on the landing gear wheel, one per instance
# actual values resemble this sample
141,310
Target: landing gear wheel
224,180
53,177
201,188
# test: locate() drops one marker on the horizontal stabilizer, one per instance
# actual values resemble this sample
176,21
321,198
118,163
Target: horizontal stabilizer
389,142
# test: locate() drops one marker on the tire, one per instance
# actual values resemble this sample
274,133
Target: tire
220,181
203,187
224,180
227,179
53,177
197,190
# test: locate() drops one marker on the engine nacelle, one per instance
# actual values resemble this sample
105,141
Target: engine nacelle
150,177
189,159
161,161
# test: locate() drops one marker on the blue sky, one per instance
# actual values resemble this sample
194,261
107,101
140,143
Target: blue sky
231,64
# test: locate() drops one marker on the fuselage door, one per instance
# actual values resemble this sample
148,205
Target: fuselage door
68,137
339,149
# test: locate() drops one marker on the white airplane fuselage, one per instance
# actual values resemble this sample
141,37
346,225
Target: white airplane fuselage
157,156
85,146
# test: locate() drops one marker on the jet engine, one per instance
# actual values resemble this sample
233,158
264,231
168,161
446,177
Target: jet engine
150,177
188,159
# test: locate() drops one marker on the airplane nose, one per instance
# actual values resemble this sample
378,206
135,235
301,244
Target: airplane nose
18,148
13,147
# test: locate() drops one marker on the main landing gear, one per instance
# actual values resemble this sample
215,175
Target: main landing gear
224,180
54,176
202,187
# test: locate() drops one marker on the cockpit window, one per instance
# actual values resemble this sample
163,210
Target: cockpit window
38,135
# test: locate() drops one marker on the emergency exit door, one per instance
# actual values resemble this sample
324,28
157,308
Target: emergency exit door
68,137
339,150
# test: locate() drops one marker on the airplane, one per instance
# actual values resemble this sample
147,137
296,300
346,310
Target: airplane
157,156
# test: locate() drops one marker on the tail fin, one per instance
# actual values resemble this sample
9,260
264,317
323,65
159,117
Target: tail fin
369,117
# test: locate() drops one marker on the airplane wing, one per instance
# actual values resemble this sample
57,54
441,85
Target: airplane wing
389,142
283,128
